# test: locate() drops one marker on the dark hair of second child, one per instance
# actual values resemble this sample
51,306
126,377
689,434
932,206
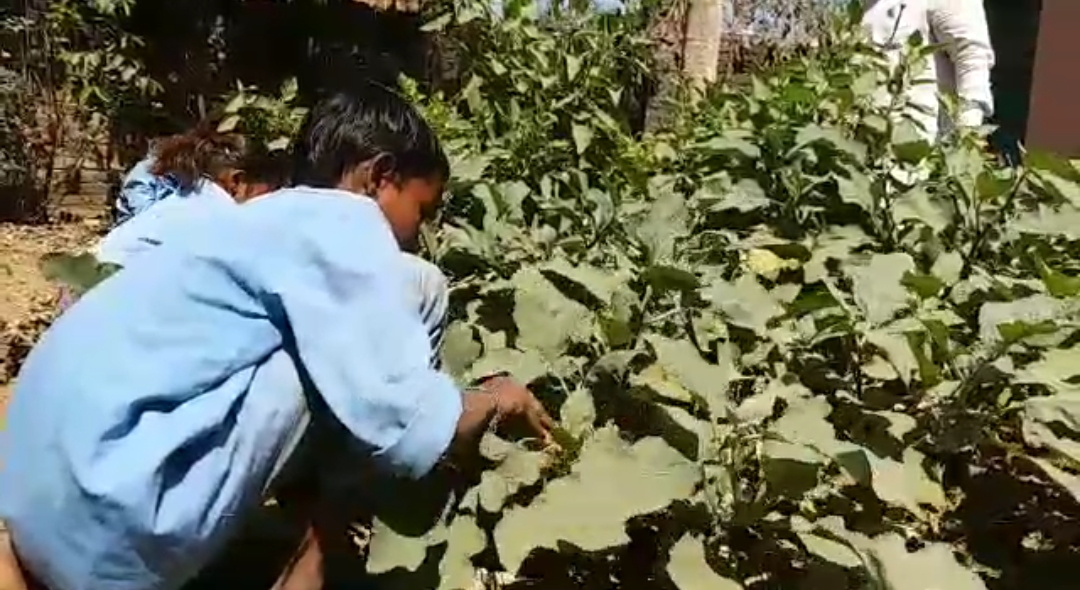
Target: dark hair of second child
361,125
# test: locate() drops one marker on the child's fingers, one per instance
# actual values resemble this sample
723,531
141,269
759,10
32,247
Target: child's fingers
539,426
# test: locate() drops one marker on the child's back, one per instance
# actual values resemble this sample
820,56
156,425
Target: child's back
124,449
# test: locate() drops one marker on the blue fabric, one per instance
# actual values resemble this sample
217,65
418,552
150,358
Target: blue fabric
168,219
124,474
141,188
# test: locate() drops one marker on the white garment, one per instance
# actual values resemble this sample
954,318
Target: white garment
962,68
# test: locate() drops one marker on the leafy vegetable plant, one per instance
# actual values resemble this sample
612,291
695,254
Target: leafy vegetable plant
785,335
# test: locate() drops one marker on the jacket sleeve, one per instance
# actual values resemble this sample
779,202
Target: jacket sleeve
360,342
961,26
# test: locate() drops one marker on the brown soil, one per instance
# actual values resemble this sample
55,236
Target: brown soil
22,287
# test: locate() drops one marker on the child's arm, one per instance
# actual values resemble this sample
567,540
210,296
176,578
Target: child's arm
349,326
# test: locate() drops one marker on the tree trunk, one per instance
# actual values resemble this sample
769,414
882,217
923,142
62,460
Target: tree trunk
668,35
701,50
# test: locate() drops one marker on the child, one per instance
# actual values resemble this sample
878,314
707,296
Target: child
157,411
192,174
183,166
226,171
210,171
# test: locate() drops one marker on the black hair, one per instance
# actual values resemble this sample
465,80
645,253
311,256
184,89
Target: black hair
270,168
354,126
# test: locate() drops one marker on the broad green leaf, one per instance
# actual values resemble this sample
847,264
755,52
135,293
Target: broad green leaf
811,440
579,509
657,379
601,283
459,348
525,366
390,550
583,136
515,468
717,194
831,136
1053,422
1063,221
680,360
470,168
464,540
759,406
905,482
826,546
1058,284
1031,311
856,189
666,221
909,144
918,205
835,244
666,278
732,145
888,563
578,412
689,570
932,567
804,423
1057,370
948,267
878,287
410,517
897,352
1058,174
547,320
745,302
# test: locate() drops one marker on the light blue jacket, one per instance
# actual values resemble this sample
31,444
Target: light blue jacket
122,475
168,217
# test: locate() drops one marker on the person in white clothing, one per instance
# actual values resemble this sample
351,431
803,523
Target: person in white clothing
962,67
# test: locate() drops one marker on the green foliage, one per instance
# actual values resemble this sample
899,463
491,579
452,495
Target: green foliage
96,56
779,334
271,121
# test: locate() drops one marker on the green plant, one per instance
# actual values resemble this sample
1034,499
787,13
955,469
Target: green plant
79,68
786,336
272,121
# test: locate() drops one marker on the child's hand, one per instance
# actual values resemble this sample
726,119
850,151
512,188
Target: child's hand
515,403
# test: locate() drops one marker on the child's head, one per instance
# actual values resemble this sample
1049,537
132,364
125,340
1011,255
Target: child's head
258,173
242,169
373,142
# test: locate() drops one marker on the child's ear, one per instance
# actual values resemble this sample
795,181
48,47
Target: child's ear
383,171
231,181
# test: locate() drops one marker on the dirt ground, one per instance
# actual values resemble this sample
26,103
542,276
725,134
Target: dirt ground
79,222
